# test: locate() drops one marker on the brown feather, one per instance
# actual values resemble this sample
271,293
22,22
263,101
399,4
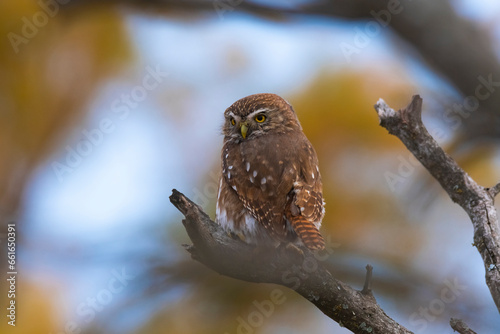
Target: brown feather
270,188
307,232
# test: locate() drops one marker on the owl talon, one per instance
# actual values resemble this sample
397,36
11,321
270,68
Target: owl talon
291,248
240,236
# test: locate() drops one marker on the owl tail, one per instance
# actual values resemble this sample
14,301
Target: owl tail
307,232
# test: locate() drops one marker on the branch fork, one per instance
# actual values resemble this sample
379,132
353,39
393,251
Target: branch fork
475,200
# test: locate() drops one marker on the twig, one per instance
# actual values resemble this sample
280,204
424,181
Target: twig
494,190
460,326
213,247
367,288
477,201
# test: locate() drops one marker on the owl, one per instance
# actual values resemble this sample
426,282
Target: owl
270,189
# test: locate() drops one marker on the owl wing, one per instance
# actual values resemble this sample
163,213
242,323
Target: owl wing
305,208
265,211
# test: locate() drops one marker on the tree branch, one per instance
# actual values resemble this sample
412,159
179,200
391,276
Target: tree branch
460,326
494,190
303,272
367,288
406,124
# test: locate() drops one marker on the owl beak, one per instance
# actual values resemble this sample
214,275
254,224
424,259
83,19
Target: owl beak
243,129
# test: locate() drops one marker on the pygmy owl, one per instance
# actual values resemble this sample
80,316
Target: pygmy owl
270,188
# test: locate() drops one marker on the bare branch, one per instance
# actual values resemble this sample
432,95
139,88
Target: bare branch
406,124
367,288
494,190
213,247
460,326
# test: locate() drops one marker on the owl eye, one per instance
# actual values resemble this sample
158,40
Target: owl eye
233,122
260,118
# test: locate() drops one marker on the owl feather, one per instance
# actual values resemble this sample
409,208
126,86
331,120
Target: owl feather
270,189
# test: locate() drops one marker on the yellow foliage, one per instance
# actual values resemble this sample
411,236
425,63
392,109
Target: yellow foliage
477,161
51,63
336,109
34,309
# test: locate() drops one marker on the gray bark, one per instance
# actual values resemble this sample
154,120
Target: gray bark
477,201
461,327
298,269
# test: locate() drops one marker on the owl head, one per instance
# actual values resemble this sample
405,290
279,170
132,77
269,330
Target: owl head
257,115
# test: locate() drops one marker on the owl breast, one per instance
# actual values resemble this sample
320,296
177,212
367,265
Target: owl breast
257,183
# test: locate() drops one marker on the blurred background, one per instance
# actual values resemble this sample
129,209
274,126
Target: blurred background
105,106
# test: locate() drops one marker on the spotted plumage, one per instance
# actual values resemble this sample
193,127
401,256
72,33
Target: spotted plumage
270,189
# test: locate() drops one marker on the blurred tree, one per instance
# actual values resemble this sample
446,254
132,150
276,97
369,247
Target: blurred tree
50,67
